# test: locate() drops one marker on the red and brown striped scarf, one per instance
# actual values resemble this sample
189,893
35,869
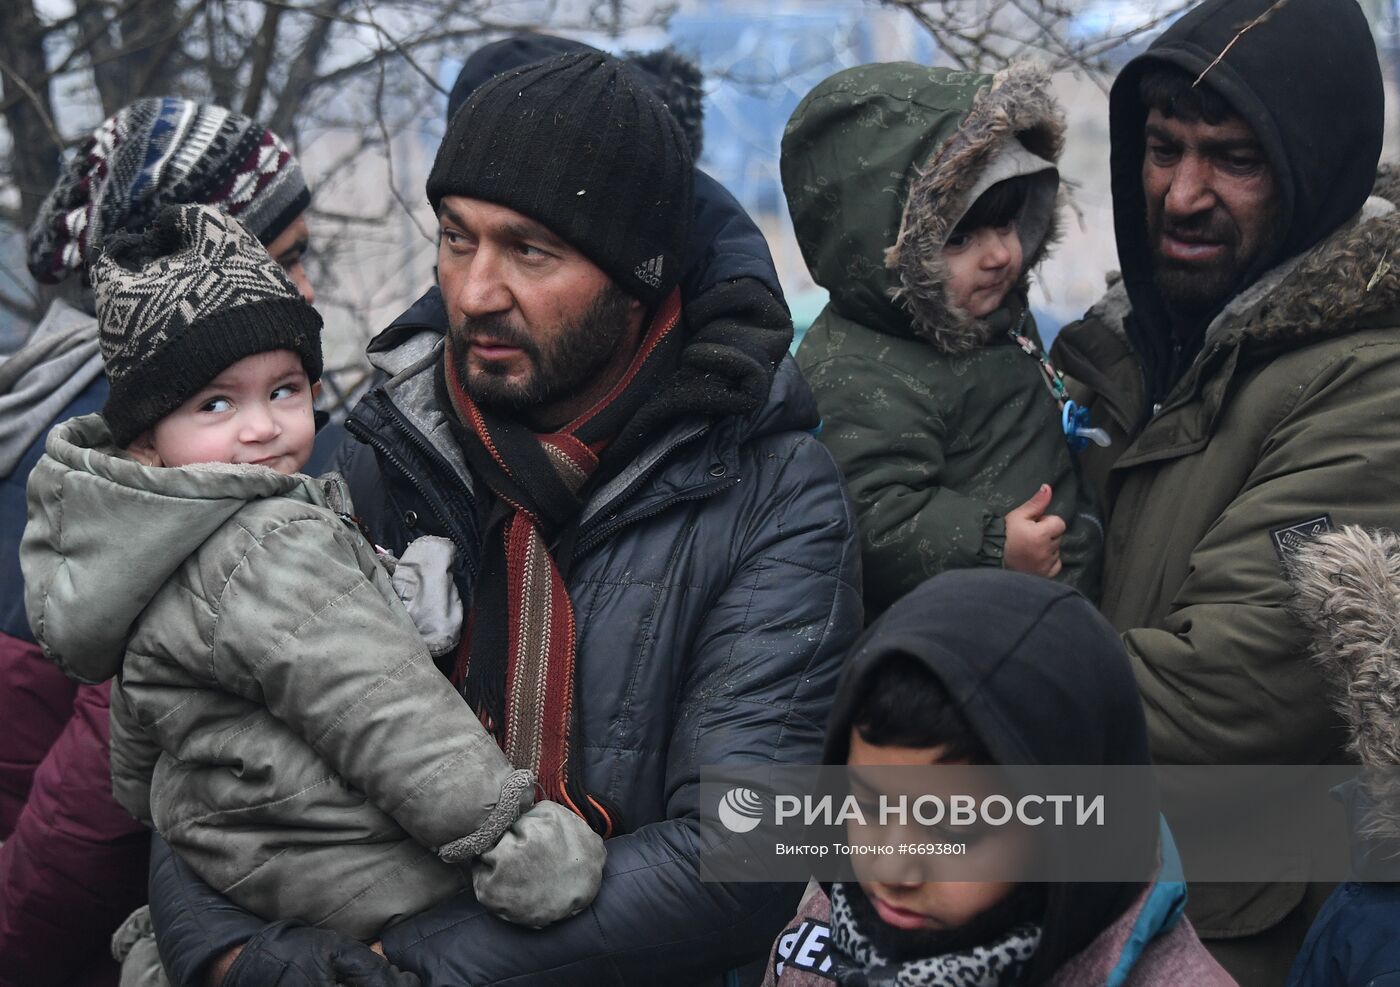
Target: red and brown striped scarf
516,661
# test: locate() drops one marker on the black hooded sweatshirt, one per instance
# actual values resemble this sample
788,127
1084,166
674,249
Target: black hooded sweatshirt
1304,75
1041,678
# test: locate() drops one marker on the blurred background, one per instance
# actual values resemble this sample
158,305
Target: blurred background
359,88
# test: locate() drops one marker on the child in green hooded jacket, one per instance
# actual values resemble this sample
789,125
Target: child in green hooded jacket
921,197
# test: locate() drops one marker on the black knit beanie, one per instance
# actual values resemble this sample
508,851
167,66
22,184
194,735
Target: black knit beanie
581,145
178,304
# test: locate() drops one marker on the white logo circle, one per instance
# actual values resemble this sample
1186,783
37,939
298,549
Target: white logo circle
741,810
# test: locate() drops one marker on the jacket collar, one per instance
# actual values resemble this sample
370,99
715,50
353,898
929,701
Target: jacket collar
1111,958
409,351
1347,282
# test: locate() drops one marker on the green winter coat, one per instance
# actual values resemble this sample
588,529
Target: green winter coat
940,422
1287,424
277,717
1236,440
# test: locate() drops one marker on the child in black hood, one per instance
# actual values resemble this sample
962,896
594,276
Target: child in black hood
992,667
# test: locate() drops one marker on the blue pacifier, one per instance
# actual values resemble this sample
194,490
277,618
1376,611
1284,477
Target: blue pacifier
1078,433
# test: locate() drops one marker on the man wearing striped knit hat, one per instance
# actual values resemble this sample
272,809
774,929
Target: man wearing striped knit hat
73,862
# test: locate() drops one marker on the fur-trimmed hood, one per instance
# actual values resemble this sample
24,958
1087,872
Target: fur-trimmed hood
1347,595
879,164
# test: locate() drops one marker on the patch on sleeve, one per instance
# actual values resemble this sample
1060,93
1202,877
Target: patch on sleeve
1289,538
805,947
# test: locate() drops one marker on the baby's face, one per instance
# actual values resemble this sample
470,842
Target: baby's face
258,411
983,265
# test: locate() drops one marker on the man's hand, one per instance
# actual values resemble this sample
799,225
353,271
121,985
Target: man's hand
287,955
1032,538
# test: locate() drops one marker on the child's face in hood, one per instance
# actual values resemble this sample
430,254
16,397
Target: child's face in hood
983,265
913,900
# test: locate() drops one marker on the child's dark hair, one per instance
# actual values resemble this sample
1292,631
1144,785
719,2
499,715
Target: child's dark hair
902,704
1172,92
997,206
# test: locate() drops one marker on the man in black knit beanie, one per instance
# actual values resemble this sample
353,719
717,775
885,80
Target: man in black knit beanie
657,557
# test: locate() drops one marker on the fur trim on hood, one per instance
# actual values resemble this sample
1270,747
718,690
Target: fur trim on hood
1351,276
1347,595
1017,105
1388,183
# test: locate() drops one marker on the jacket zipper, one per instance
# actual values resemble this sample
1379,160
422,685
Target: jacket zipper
601,534
587,541
358,429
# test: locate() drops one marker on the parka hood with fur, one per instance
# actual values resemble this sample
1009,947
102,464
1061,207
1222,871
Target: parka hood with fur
1347,595
879,164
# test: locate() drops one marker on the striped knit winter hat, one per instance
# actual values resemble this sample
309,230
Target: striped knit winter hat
156,152
182,301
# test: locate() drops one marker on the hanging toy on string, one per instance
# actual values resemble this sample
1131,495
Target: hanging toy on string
1074,418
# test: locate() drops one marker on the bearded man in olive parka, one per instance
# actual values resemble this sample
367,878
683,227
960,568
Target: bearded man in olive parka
1243,426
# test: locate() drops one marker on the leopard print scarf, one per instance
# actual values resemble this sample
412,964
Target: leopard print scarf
999,963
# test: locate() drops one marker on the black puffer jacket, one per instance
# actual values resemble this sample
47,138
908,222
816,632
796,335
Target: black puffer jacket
716,586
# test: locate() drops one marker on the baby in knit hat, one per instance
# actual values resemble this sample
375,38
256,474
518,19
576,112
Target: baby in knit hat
277,715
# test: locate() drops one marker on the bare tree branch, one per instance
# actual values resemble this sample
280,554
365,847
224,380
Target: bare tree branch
303,71
358,83
262,59
985,35
38,104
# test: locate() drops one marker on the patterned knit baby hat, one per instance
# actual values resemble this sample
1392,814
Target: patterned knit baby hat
153,153
180,302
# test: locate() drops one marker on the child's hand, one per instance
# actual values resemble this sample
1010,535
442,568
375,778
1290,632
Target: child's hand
1032,538
423,580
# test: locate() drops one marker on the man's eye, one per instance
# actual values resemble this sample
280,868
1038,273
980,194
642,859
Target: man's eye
216,405
1243,165
530,251
1161,154
454,239
285,391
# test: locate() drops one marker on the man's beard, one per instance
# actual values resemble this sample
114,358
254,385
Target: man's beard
560,368
1193,292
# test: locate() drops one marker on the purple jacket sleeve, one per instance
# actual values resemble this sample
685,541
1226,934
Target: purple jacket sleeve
75,865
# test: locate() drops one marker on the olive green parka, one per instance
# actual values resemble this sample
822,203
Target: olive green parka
939,421
1285,424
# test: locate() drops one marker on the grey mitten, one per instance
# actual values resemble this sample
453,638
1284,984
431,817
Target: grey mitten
134,947
422,578
546,867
